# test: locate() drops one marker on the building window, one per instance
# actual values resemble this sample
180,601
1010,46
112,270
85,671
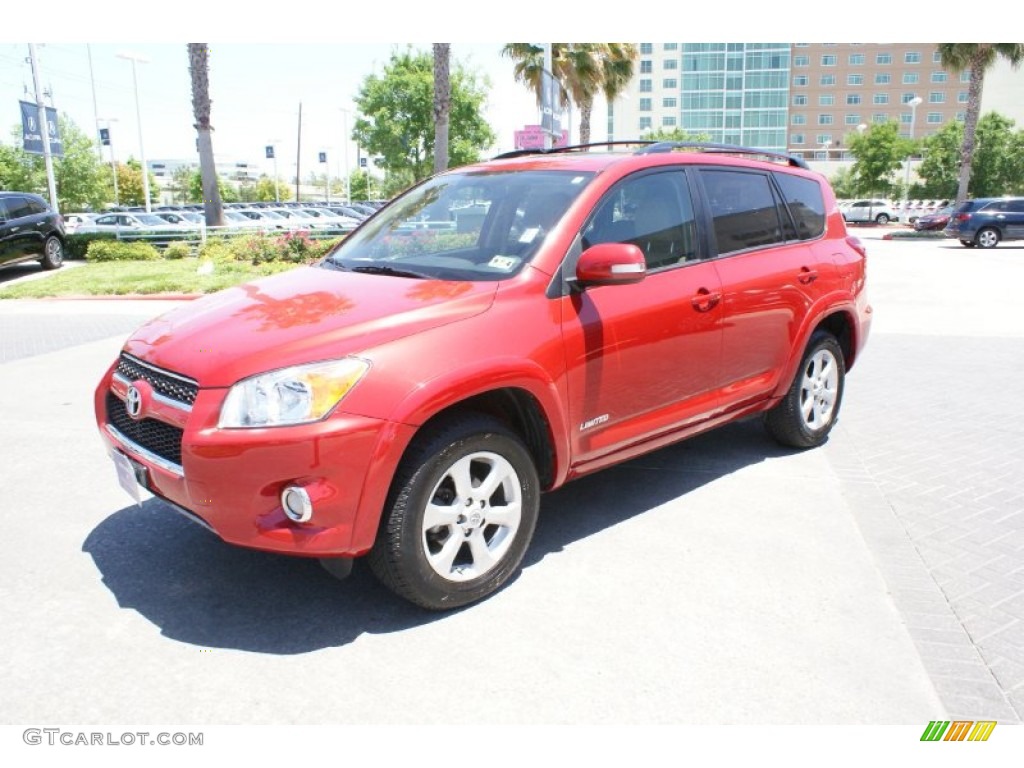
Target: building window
645,105
825,119
799,81
852,99
961,98
796,138
646,67
669,102
936,97
883,58
646,48
961,116
878,117
881,98
801,61
798,119
671,64
934,118
939,77
645,123
853,119
855,79
912,57
669,82
671,47
668,121
645,86
826,100
911,78
828,60
883,78
799,100
856,59
905,117
965,76
828,80
823,137
936,57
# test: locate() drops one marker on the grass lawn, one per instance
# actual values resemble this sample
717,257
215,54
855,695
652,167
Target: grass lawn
116,278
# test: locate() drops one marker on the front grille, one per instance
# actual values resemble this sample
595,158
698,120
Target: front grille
157,437
169,385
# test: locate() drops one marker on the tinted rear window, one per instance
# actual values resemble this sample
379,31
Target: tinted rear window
806,203
743,208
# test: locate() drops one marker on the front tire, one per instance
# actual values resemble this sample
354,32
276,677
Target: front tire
987,238
882,218
805,416
460,515
53,253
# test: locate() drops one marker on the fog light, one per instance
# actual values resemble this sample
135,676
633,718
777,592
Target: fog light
296,504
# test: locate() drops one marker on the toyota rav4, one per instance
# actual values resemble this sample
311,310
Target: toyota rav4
493,333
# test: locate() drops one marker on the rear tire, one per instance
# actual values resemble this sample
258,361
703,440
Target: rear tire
460,515
807,413
53,253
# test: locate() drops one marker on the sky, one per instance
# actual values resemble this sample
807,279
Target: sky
268,61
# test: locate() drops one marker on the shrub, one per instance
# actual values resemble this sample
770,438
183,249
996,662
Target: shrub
177,251
75,246
114,250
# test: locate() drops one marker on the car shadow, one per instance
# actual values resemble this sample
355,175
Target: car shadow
200,590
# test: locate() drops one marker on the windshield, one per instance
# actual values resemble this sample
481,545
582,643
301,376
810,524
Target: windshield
151,220
469,226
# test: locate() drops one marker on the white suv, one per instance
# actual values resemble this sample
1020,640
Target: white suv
878,211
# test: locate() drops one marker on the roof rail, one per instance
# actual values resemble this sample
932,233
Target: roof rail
572,148
725,149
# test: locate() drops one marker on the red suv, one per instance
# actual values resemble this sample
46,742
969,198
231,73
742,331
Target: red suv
493,333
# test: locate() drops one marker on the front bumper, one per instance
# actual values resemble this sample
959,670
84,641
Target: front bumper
231,479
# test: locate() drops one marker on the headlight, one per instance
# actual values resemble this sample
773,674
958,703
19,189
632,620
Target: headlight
295,395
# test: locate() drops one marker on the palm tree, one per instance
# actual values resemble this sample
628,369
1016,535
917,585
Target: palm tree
442,104
976,58
583,69
199,68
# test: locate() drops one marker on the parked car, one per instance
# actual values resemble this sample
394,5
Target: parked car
986,221
934,221
72,221
410,397
30,230
866,211
128,223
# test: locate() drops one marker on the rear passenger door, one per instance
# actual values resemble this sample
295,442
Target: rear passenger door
771,269
20,238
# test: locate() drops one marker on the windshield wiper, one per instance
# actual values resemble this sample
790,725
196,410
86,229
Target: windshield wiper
375,269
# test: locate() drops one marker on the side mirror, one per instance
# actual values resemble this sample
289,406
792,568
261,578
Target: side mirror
611,264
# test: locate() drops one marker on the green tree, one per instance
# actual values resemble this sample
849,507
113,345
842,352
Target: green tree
129,183
976,58
79,175
199,71
442,104
363,185
397,122
583,69
879,152
226,192
996,169
265,190
844,183
939,169
674,134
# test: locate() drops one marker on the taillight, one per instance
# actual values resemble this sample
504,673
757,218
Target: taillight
963,216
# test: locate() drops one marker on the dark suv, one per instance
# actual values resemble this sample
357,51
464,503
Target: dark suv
30,230
987,220
493,333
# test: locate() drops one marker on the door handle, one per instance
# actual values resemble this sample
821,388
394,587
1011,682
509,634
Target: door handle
807,276
705,300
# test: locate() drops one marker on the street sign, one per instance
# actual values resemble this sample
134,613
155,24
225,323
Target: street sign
105,137
270,152
323,157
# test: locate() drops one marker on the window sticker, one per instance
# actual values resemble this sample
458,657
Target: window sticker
529,235
506,263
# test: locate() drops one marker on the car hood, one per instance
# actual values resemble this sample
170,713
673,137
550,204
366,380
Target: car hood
300,316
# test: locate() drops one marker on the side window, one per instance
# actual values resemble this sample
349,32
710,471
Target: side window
806,204
3,211
1015,206
653,212
35,207
744,210
18,207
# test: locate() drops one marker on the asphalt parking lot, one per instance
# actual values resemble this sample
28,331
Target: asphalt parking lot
878,580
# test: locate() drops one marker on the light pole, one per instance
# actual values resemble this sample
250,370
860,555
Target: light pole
344,152
138,58
860,130
914,103
113,162
826,144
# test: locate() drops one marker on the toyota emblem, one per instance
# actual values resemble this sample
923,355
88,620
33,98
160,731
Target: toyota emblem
134,403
